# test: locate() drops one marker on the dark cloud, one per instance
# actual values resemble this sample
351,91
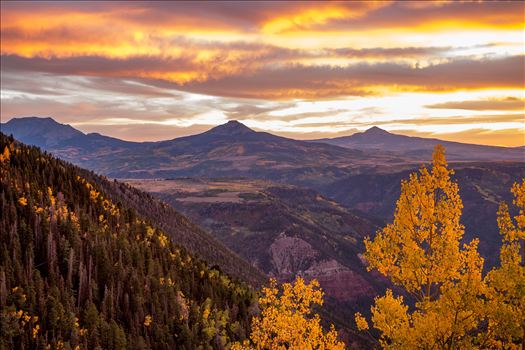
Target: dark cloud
50,84
253,111
99,65
245,15
401,52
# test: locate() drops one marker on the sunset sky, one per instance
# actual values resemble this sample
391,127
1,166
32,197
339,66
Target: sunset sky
159,70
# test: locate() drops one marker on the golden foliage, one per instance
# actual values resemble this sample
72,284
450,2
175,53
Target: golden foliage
22,201
506,284
420,251
287,321
5,156
421,247
361,322
36,329
163,240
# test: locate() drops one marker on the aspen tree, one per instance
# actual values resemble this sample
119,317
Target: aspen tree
420,251
506,283
287,320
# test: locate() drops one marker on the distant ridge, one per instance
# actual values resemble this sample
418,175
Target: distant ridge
233,149
376,138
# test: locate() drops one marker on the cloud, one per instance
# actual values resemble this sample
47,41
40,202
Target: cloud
447,15
288,81
299,81
392,52
234,15
98,65
507,104
457,120
504,137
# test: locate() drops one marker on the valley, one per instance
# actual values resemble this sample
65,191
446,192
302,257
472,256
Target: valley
267,206
282,230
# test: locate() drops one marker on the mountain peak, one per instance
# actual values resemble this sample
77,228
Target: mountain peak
32,120
40,131
232,127
376,131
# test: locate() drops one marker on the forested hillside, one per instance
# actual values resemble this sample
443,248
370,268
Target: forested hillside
179,228
81,271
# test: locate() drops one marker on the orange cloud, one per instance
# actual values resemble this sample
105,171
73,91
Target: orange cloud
289,81
505,137
507,104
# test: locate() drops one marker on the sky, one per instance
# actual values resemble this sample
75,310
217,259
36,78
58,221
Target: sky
159,70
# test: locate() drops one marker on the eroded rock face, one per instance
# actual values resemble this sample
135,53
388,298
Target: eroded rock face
340,282
292,256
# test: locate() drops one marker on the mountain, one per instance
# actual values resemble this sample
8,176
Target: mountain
421,148
65,141
231,149
231,128
41,132
81,270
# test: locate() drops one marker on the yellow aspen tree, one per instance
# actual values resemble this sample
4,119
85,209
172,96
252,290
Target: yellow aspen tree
506,283
287,320
420,251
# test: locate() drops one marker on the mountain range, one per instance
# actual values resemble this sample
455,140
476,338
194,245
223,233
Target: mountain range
421,148
232,149
365,177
